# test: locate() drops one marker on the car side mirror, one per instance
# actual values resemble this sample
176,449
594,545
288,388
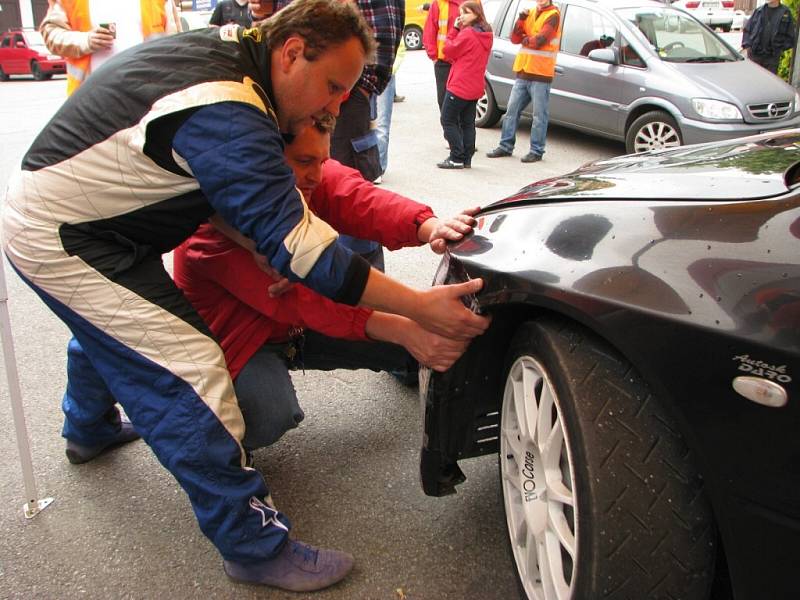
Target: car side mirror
604,55
426,6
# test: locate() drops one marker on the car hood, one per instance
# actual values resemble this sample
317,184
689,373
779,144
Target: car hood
746,168
742,82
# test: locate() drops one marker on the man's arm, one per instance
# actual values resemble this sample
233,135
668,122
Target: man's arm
255,193
431,30
434,351
60,38
438,309
357,207
544,35
386,18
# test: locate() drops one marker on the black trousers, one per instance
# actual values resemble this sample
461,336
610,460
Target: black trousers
458,123
353,143
441,71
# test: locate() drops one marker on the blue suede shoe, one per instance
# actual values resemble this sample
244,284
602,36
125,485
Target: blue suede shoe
78,454
297,568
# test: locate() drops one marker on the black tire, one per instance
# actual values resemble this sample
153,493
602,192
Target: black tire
37,72
3,75
615,498
727,28
412,37
653,130
486,112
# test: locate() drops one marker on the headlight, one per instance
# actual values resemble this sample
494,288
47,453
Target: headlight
716,109
53,57
796,101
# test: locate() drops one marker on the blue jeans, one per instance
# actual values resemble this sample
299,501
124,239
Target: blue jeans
384,122
524,91
267,398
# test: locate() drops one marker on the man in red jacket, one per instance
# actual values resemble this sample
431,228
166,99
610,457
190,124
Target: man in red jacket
264,336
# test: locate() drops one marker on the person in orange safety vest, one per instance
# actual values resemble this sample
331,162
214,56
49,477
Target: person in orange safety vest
539,34
89,32
441,21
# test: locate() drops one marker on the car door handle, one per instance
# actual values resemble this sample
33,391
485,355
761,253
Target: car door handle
497,54
559,69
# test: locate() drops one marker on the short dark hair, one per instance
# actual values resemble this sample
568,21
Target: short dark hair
321,23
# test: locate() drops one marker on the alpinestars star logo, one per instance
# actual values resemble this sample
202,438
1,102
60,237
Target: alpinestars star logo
269,516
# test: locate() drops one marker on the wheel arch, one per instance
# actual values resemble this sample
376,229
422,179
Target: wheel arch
645,105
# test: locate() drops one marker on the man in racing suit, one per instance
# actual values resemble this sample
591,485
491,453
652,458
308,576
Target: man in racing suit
144,151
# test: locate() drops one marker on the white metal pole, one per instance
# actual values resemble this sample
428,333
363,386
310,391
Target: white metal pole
33,505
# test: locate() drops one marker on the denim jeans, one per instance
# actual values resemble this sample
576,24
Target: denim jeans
523,92
267,398
384,121
458,123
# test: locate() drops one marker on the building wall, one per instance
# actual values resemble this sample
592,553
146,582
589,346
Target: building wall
12,13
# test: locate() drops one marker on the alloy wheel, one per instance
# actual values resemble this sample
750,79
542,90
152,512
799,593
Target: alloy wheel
537,482
656,136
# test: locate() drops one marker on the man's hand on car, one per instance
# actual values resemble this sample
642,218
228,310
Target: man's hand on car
437,232
430,349
442,311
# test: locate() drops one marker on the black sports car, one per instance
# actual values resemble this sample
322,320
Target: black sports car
640,377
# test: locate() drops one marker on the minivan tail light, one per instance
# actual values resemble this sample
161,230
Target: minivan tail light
692,4
727,3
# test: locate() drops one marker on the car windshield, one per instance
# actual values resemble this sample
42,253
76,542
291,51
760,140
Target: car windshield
34,38
677,37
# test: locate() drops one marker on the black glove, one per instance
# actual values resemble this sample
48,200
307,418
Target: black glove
523,14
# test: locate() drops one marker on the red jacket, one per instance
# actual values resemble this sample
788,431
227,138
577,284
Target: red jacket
228,289
430,33
468,49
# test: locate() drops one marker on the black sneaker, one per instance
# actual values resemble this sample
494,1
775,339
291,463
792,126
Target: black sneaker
498,153
450,164
531,157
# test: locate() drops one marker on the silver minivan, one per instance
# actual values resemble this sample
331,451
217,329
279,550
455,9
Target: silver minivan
643,73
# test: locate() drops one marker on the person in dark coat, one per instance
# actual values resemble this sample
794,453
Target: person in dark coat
768,34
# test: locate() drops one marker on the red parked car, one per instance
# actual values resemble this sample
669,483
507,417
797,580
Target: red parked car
22,52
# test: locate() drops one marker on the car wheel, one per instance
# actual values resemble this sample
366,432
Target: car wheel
601,496
727,28
37,72
412,38
654,130
486,111
3,75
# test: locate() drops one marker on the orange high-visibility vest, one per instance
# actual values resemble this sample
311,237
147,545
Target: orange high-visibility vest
539,61
441,36
154,22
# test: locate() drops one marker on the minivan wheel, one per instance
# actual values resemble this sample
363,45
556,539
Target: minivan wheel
412,37
601,496
486,111
653,130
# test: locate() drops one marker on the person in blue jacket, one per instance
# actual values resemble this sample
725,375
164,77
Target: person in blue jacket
768,33
164,136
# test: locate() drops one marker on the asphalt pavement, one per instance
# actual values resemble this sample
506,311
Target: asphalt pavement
121,527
